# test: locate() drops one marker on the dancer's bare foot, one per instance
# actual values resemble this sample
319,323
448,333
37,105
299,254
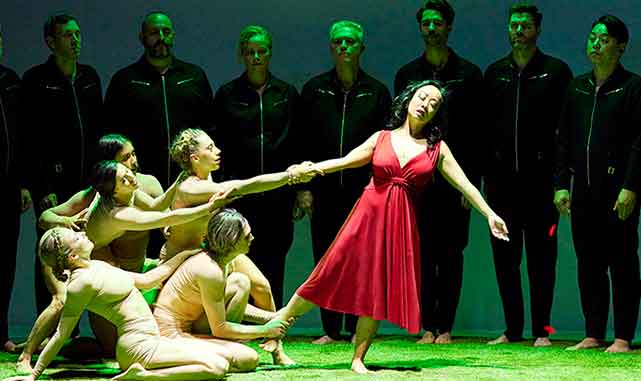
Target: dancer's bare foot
324,340
444,338
428,338
542,342
619,346
269,345
499,340
359,367
587,343
135,372
280,358
23,365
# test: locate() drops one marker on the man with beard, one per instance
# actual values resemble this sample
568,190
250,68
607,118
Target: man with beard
598,145
444,238
17,200
157,96
526,90
62,110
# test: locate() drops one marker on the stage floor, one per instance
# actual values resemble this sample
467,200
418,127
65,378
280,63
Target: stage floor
399,358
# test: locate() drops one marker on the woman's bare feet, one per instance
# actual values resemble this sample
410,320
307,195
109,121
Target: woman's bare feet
135,372
444,338
324,340
23,365
499,340
542,342
359,367
280,358
587,343
428,338
619,346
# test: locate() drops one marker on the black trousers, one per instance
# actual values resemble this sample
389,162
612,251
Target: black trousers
270,217
444,227
331,209
606,251
527,208
10,222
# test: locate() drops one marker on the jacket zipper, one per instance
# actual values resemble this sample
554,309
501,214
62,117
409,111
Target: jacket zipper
262,135
6,133
166,109
596,92
516,122
82,132
340,148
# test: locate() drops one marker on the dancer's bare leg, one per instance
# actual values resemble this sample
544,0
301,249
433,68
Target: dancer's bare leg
365,331
45,323
180,359
237,290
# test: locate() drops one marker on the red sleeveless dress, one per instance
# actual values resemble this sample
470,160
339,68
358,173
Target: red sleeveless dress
373,266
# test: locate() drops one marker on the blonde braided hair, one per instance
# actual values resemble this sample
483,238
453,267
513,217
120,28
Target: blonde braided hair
185,145
53,253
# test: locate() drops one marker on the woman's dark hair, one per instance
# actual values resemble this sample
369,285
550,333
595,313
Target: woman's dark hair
103,178
436,127
110,145
224,230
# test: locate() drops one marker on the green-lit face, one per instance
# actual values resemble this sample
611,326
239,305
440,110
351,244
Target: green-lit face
522,31
256,54
127,157
77,243
603,49
434,29
207,155
66,42
346,46
244,242
126,181
158,36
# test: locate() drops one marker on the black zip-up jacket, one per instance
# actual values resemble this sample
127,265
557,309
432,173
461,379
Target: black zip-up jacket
253,130
151,109
331,122
63,118
524,108
462,80
599,133
10,92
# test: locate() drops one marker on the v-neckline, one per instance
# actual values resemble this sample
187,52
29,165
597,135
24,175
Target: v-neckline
398,159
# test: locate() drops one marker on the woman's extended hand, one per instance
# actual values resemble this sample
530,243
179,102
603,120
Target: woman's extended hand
498,227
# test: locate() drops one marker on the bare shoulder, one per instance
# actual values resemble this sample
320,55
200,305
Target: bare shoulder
149,184
206,269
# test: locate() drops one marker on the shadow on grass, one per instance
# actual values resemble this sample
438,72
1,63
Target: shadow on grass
412,366
84,373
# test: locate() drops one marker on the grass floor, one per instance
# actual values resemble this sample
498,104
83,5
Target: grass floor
399,358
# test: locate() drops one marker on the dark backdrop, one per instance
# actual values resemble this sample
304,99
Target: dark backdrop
206,35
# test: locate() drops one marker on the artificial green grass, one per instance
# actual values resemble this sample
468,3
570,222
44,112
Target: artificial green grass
399,358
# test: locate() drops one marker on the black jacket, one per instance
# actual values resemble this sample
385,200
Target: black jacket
462,80
63,118
523,114
598,134
254,131
151,109
332,122
10,90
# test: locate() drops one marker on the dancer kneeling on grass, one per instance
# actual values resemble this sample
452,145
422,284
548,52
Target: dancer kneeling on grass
204,298
119,208
372,269
113,294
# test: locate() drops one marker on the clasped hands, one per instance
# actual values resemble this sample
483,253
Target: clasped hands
303,172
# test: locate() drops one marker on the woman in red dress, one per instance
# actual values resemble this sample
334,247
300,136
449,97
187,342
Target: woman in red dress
373,267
